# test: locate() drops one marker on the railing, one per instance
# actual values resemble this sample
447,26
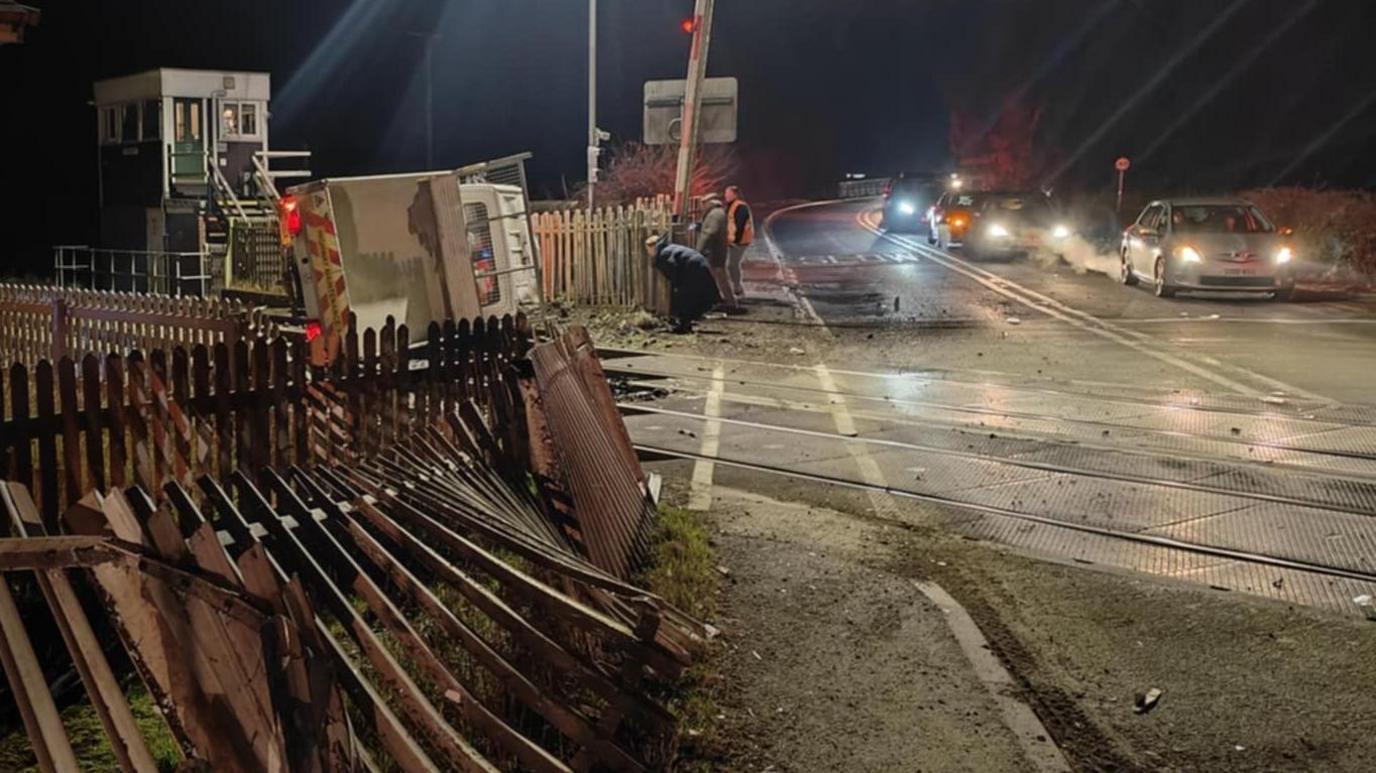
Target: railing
859,189
131,271
262,161
598,256
226,191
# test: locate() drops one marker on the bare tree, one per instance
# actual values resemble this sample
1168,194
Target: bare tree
645,171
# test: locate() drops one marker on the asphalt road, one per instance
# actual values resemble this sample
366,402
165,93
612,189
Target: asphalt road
1053,319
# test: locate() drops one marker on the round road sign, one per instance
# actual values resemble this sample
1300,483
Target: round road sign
1122,164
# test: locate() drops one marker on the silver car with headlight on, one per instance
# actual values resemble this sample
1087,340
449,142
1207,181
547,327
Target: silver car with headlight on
1222,245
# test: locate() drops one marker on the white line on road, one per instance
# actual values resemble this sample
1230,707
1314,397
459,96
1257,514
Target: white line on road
1089,323
786,276
700,493
870,473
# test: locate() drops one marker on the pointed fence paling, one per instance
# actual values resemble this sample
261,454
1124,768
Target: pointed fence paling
149,417
39,322
289,541
598,256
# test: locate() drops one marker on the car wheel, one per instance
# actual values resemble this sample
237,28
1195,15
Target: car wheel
1125,271
1284,295
1163,287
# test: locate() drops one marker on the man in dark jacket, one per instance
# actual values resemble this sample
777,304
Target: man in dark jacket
712,245
692,288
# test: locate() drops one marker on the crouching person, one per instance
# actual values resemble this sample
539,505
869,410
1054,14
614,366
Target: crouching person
692,287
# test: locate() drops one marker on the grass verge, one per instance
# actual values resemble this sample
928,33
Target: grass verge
682,571
89,742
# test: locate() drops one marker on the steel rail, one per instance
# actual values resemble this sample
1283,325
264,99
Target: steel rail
1163,542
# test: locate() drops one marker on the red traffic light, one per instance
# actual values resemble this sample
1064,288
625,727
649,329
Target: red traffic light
687,26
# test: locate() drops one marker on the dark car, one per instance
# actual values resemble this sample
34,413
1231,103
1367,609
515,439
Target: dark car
908,202
1010,223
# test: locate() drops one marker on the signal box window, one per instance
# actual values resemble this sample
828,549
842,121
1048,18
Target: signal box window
129,122
248,119
152,119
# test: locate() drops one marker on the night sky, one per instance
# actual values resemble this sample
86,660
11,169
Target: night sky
1205,95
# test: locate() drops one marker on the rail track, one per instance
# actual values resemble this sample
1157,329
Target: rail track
1268,510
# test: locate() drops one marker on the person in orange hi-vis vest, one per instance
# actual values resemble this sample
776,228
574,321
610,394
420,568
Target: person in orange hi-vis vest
740,232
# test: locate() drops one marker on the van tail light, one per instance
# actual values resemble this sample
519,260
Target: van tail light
313,330
290,214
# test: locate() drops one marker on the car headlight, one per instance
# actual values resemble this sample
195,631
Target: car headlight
906,207
997,231
1190,255
1285,255
1060,232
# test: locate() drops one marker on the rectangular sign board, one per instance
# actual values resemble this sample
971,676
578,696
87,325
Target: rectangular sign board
664,111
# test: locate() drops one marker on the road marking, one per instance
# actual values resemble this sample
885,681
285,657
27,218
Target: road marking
870,473
700,493
1031,735
787,277
1135,340
1247,320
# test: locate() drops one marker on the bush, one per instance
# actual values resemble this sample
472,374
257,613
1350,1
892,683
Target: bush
636,171
1337,228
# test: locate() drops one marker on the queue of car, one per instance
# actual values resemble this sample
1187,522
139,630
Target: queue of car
1174,245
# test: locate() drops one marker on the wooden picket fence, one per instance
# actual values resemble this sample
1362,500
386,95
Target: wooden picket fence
44,322
598,256
164,415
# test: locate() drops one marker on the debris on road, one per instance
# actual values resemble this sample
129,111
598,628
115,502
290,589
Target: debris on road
1146,701
1367,604
795,350
1014,321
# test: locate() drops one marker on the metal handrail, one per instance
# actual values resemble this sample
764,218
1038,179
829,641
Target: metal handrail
108,264
225,190
263,178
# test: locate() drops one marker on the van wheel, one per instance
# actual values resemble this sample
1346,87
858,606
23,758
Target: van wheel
1163,288
1125,270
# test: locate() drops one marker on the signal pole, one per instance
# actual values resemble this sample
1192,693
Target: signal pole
692,104
593,150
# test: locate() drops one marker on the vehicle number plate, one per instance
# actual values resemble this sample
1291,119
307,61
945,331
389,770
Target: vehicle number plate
1239,272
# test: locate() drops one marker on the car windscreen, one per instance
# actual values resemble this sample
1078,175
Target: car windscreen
921,189
962,200
1032,208
1219,218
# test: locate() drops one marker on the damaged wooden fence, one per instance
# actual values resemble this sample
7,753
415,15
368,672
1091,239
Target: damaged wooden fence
150,417
43,322
417,559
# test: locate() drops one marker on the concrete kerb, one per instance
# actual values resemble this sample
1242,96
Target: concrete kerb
1041,752
787,280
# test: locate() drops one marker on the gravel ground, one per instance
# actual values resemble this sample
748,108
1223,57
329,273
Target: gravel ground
867,680
833,664
1247,684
